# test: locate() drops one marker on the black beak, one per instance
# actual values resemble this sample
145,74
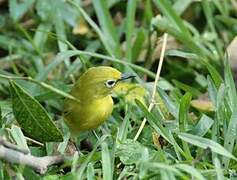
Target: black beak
125,76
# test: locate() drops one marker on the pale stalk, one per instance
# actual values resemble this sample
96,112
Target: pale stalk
152,101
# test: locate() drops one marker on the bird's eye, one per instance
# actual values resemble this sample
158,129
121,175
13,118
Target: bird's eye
110,83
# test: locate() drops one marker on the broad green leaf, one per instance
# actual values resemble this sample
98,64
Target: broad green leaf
32,117
206,143
130,152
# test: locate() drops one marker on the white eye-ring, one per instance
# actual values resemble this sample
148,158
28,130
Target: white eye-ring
110,83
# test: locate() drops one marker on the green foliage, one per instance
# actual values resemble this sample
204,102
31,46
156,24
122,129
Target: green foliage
45,45
32,117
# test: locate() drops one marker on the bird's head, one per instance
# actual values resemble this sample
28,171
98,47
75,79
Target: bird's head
98,82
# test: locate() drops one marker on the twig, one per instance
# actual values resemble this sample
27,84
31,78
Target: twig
152,102
13,146
40,164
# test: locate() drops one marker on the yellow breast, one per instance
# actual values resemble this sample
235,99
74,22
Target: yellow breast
86,116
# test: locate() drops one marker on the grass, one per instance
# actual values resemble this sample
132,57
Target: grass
45,46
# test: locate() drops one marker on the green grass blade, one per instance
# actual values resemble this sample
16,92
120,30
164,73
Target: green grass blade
153,166
84,165
41,35
95,27
180,6
183,117
169,12
173,108
138,44
1,121
123,129
178,53
70,53
230,135
157,126
190,170
206,143
230,84
106,162
107,26
130,23
203,125
187,88
212,90
90,173
214,73
219,171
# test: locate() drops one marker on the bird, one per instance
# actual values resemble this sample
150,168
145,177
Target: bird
94,103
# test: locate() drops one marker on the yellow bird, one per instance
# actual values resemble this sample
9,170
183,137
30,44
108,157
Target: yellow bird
93,91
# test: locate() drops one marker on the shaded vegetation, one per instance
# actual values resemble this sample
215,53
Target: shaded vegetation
45,45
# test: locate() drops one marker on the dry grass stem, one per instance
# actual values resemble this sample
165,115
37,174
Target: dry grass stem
152,102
